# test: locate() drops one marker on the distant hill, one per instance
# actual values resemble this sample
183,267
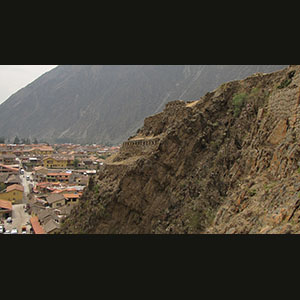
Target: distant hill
107,103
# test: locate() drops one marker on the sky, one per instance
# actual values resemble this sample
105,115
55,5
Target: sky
15,77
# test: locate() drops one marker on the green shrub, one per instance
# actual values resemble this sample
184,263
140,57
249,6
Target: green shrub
96,188
2,186
284,83
255,91
252,192
238,102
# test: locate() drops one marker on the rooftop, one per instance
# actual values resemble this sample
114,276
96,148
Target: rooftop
15,187
5,204
50,225
37,228
59,174
54,198
8,167
71,195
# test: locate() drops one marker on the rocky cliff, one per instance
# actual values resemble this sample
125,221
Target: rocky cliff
225,163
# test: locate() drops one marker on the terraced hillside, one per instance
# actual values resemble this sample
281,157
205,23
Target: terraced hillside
225,163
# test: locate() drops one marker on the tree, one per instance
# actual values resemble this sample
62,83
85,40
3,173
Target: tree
17,140
76,162
2,140
35,141
2,186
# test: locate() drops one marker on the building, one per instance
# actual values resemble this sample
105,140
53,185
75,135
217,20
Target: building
79,179
5,208
8,169
44,215
13,179
56,200
13,193
41,187
3,178
71,198
42,150
58,177
40,174
8,159
55,162
51,226
5,150
36,226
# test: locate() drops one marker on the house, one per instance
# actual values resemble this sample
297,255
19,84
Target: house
18,152
79,179
8,169
5,208
8,159
58,177
71,198
40,174
41,187
36,226
56,200
36,206
64,211
13,179
13,193
3,178
70,161
87,161
45,215
50,226
5,150
55,162
24,160
42,150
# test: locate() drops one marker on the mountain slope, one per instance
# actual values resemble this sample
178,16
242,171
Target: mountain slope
106,104
227,163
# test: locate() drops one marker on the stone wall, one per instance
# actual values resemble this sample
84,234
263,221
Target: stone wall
175,104
153,125
139,146
284,103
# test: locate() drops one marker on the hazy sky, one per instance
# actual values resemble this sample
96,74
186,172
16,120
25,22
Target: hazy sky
15,77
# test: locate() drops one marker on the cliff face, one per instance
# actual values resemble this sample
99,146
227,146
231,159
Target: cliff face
226,163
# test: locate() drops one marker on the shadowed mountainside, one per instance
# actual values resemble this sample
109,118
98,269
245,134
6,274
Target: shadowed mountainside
106,104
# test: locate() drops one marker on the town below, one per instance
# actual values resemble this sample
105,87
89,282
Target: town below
41,183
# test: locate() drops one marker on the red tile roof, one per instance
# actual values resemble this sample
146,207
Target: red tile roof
44,183
37,228
71,195
58,174
5,204
9,168
64,190
15,187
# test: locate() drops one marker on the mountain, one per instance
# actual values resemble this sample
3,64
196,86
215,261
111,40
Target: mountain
107,103
225,163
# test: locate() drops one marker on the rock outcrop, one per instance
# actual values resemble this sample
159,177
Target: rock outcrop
226,163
